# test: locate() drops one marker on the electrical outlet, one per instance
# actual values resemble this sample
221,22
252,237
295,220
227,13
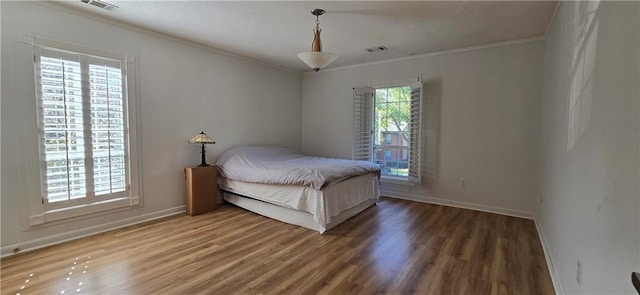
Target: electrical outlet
463,183
579,273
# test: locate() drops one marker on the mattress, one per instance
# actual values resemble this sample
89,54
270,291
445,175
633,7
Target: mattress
280,165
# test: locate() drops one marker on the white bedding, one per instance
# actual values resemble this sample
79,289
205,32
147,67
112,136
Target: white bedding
280,165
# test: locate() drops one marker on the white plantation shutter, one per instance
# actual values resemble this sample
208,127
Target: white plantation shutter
83,128
62,128
362,123
107,129
364,105
414,132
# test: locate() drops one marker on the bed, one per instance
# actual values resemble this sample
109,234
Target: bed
280,183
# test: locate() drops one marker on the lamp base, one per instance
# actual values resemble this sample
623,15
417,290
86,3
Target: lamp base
204,159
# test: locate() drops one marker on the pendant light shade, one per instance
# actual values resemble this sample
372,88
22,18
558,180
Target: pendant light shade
316,59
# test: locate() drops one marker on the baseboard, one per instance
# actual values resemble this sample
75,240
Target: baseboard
547,256
89,231
459,204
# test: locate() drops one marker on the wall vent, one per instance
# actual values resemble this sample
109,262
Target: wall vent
101,4
377,48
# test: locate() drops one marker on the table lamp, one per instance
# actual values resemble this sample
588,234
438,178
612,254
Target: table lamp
202,138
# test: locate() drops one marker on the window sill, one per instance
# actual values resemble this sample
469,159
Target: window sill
76,211
396,181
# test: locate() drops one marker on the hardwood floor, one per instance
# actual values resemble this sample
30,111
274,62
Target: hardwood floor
396,247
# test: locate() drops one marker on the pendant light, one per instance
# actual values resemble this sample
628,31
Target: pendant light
316,59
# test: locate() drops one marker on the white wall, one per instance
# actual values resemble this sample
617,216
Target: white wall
590,156
183,89
482,123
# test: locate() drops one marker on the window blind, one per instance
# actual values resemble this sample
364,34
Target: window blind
415,132
363,133
107,129
362,123
83,128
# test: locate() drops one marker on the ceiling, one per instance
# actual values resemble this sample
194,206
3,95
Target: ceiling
274,32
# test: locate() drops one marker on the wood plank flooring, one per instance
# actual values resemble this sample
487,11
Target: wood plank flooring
397,246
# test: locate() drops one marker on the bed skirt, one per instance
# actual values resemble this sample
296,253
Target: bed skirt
292,216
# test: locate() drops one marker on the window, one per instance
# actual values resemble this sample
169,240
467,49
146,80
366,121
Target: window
387,155
84,133
391,120
387,129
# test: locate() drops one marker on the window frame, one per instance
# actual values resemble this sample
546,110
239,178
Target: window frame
360,94
43,212
388,154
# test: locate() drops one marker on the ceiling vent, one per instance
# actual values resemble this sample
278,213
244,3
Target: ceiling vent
101,4
377,48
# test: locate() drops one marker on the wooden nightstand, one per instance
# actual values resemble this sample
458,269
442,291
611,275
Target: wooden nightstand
202,189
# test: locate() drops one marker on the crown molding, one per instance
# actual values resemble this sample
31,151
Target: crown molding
96,17
433,54
178,39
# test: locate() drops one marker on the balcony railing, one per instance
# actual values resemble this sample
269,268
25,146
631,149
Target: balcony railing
393,159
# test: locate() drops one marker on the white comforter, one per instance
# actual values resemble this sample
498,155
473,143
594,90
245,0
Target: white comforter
280,165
